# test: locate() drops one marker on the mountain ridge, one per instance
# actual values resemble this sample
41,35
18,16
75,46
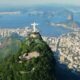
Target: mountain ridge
34,59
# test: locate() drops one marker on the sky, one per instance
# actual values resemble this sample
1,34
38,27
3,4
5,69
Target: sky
36,2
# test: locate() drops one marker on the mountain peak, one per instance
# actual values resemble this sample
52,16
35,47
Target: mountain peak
34,35
34,59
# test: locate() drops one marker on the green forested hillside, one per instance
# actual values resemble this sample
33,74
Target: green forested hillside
34,61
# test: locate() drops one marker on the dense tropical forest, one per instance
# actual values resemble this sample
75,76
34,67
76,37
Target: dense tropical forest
33,61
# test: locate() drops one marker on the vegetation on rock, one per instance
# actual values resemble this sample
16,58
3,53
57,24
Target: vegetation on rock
39,68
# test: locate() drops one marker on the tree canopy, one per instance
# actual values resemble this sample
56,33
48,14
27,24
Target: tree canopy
39,68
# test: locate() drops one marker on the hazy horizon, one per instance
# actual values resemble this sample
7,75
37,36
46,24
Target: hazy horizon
6,3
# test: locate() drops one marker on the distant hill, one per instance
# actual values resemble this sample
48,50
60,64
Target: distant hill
9,45
34,61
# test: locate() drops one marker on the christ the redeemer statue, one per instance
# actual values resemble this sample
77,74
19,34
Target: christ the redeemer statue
34,27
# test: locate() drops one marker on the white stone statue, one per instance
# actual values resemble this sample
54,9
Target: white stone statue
34,27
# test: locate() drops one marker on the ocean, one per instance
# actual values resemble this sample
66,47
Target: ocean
43,16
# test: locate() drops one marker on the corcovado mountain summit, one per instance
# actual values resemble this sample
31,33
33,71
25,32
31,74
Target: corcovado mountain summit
34,61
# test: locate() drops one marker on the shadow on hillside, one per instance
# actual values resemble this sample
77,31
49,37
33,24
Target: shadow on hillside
62,73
